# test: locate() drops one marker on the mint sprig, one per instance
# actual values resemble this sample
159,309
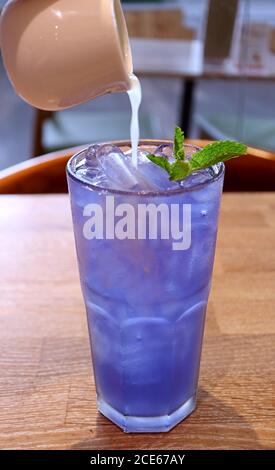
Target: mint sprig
210,155
160,161
179,170
178,149
217,152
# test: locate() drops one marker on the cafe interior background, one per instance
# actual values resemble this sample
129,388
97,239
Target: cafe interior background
208,65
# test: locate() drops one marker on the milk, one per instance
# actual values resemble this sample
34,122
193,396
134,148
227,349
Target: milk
135,94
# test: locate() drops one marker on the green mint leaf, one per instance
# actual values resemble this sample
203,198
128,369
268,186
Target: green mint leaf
160,161
178,150
208,156
215,153
180,170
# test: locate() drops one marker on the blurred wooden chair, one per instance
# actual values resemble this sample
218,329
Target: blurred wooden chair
41,175
40,117
254,172
46,174
272,41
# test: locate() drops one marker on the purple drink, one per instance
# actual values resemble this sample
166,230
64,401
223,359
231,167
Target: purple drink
145,248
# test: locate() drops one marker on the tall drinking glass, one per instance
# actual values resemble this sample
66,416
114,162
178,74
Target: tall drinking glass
145,280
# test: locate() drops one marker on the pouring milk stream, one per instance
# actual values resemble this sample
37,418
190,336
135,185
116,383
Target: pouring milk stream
61,53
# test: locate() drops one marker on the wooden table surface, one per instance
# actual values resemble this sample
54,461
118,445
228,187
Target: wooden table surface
47,393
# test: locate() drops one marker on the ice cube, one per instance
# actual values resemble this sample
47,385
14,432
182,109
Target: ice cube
155,175
165,150
88,168
91,154
107,166
107,149
120,171
117,168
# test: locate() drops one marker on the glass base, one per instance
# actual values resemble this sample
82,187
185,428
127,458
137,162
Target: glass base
139,424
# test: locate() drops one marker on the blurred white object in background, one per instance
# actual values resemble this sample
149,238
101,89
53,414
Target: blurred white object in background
251,49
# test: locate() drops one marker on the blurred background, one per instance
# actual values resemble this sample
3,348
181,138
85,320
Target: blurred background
208,65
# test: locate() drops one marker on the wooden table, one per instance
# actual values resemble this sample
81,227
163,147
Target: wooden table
47,393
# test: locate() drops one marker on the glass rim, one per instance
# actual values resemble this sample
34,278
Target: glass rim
144,142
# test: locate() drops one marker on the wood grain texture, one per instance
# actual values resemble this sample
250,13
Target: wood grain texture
47,393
